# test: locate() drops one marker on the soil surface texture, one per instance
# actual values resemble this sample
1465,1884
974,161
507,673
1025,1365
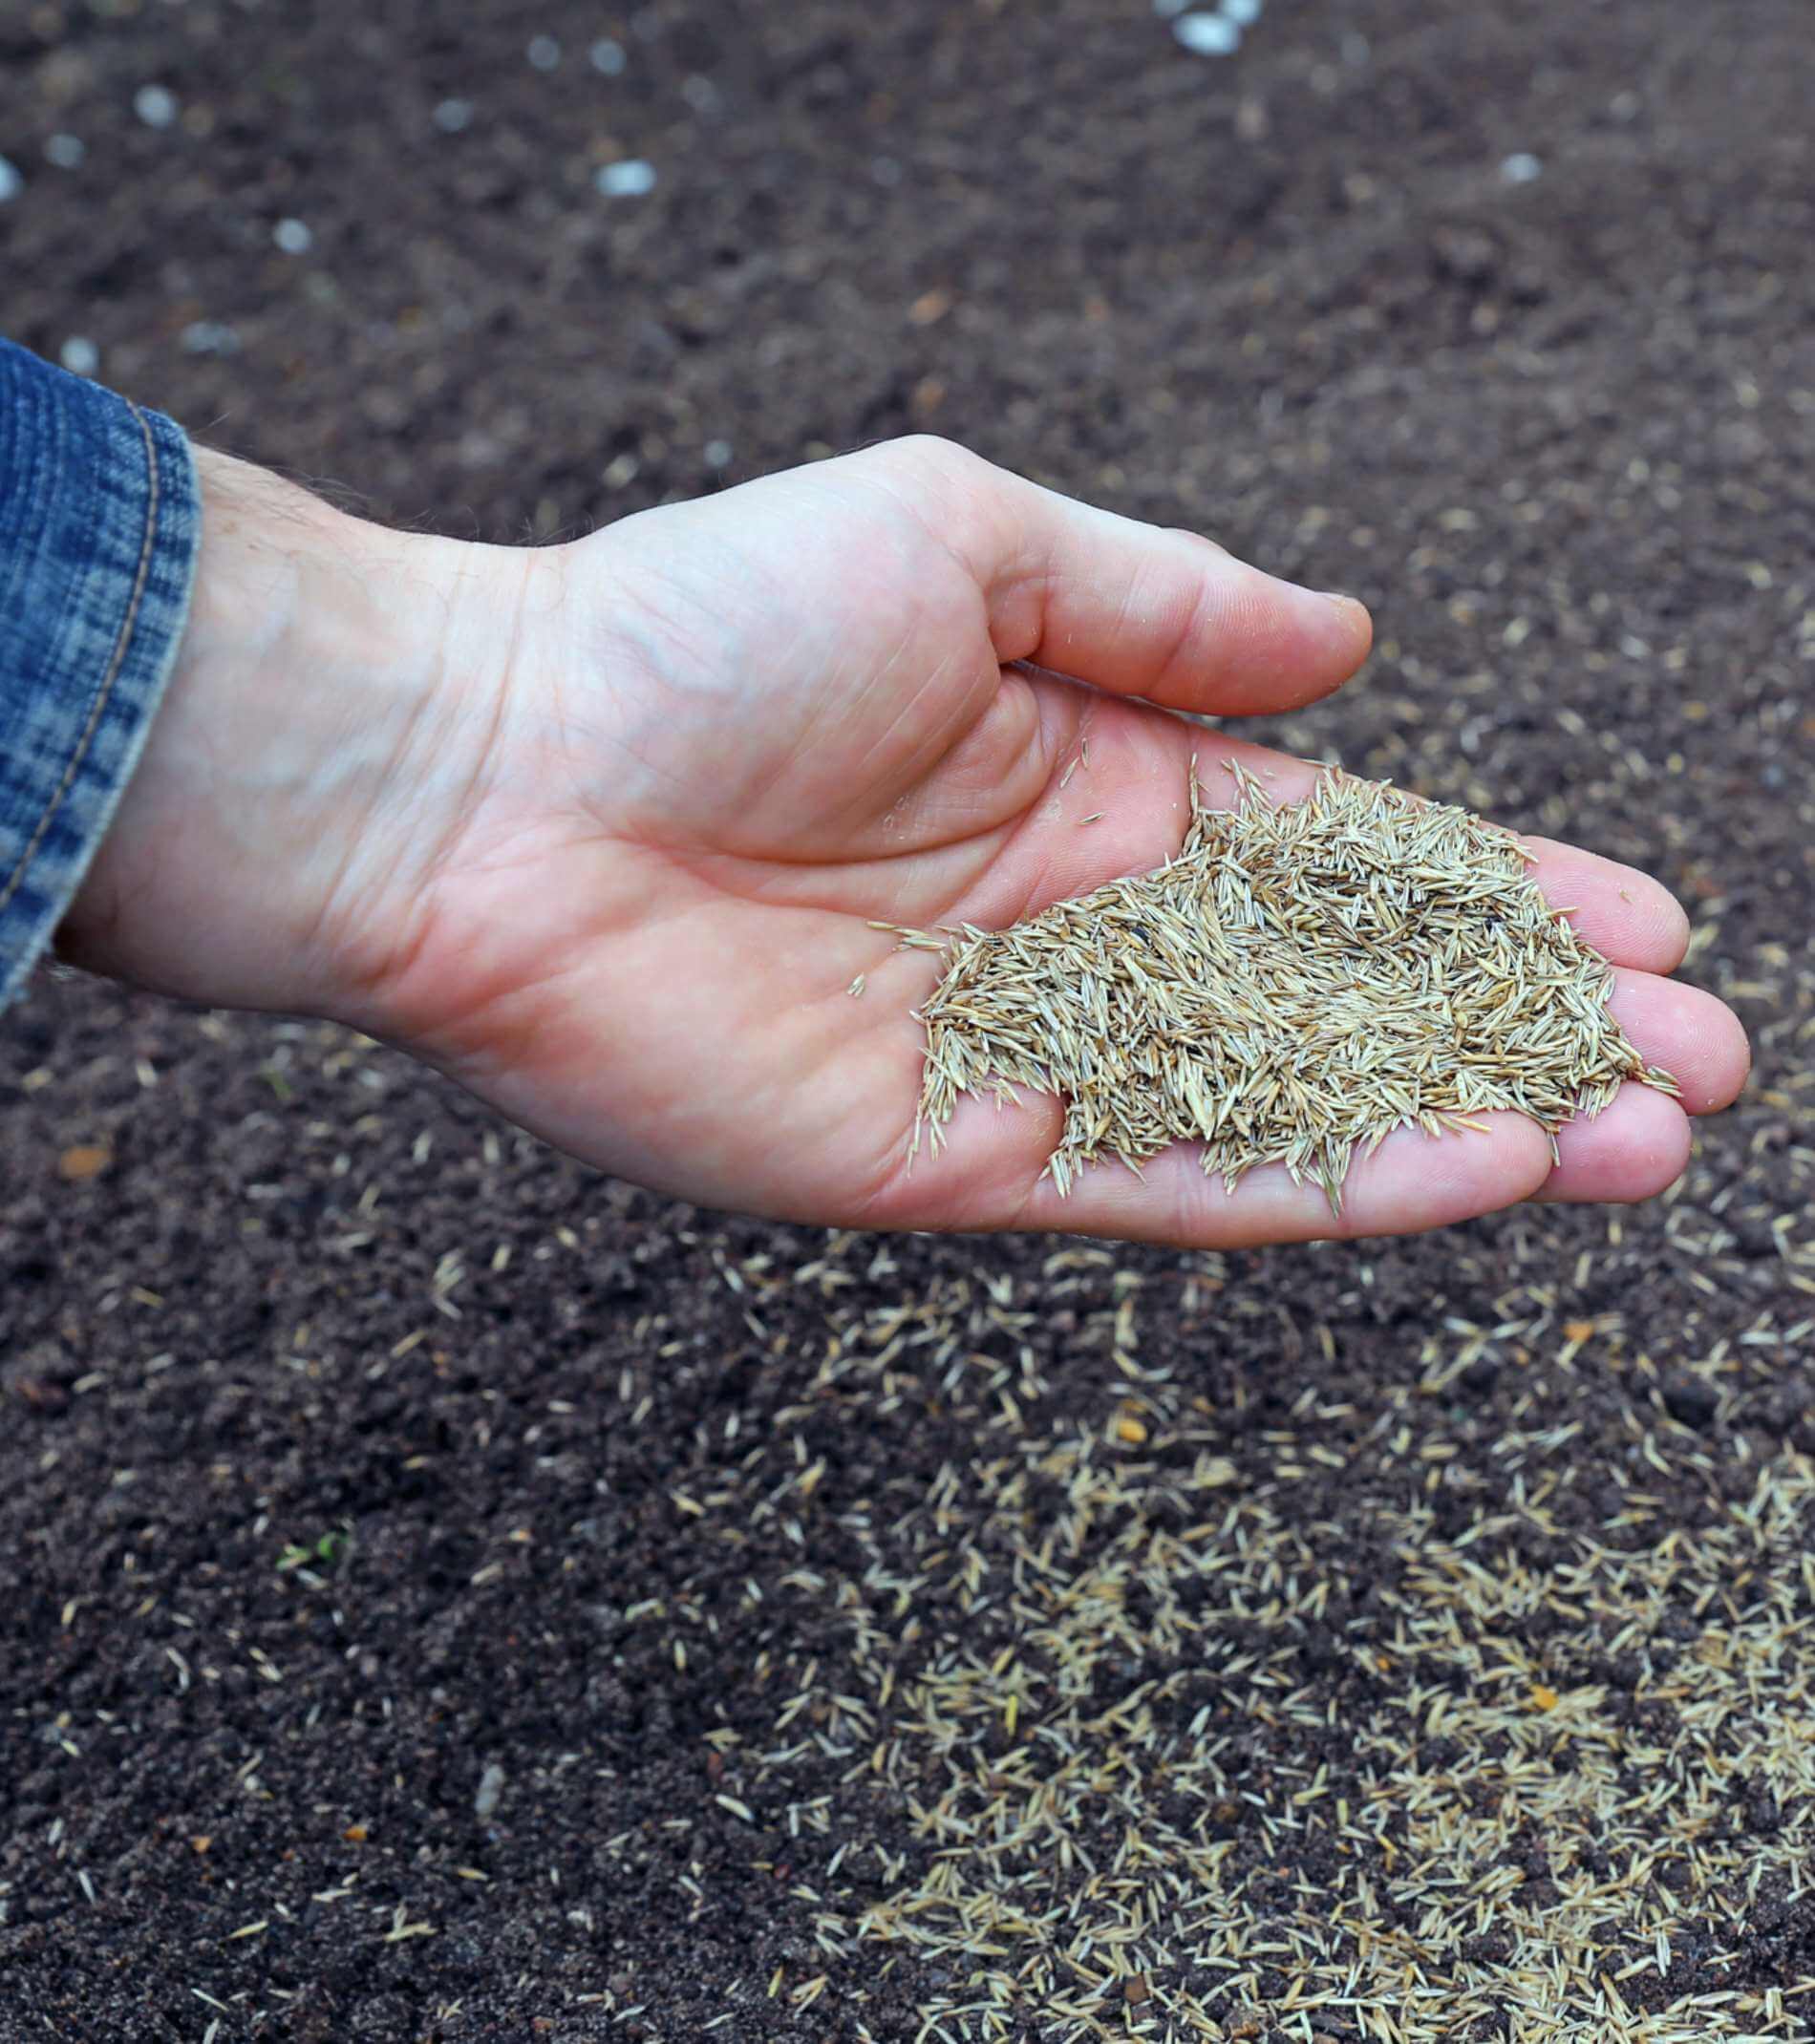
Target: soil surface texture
446,1595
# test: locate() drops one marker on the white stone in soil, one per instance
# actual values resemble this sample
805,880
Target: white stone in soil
156,105
632,178
209,337
1207,35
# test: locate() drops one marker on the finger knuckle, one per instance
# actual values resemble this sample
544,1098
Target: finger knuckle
1212,551
928,457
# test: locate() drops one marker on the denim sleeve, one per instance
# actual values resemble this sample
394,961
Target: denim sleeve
100,524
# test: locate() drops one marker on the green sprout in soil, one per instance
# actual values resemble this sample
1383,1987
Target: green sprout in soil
322,1555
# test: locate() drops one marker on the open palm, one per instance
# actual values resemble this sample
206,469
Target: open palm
906,686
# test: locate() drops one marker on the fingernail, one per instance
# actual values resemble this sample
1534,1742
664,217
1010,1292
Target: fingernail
1335,596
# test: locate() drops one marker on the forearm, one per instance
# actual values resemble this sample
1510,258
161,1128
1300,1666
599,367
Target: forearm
306,695
238,726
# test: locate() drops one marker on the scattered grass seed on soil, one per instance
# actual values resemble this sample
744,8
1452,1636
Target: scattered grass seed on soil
1300,981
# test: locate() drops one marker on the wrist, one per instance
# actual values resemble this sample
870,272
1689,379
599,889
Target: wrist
311,730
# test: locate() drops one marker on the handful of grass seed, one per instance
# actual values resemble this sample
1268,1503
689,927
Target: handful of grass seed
1297,983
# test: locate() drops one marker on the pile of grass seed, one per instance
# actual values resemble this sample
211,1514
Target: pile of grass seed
1300,981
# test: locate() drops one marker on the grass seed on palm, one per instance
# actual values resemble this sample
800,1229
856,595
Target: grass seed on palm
1299,982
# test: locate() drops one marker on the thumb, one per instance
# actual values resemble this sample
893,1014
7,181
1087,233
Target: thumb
1134,609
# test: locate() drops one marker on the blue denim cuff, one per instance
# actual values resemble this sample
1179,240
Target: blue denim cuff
99,527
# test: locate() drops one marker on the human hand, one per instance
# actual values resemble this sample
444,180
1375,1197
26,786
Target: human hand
606,841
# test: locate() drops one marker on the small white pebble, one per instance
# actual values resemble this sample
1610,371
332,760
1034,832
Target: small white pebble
1244,14
209,337
293,237
80,357
700,94
1521,168
629,179
155,105
607,56
543,52
64,151
717,454
12,185
1207,35
452,115
491,1790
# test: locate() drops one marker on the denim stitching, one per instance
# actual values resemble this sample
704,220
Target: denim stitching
98,709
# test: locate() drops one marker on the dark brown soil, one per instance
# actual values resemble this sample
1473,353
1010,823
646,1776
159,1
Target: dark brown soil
448,1595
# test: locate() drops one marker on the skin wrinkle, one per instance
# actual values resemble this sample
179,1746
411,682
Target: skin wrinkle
1194,627
704,863
938,746
784,763
891,1190
934,747
222,611
332,913
416,859
631,742
1011,734
1037,890
1011,590
1123,607
303,564
740,1135
443,1043
942,748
